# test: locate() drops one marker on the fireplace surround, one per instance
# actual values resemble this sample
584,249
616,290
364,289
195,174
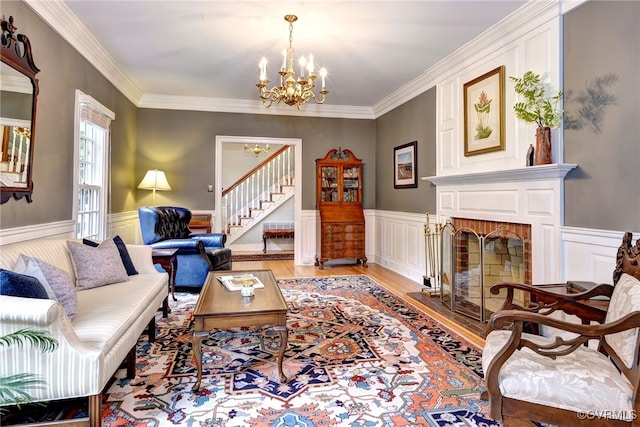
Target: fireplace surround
532,197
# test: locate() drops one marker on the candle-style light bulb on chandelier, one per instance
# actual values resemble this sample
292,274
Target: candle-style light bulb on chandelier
292,91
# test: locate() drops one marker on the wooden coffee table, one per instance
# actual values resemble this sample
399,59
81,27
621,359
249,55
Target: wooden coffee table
219,308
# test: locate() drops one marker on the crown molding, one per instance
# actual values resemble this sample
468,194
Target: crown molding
166,102
517,24
64,22
568,5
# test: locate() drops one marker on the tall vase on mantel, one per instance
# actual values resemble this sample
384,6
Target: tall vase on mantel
543,146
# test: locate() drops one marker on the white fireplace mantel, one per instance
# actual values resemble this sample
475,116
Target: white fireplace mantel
542,172
533,195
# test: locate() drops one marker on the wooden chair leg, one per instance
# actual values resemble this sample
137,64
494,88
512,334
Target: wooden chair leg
131,363
165,307
152,330
95,410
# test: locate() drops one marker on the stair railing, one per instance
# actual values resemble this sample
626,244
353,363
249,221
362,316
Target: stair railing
257,185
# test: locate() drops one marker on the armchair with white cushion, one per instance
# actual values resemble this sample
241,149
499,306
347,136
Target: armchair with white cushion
567,380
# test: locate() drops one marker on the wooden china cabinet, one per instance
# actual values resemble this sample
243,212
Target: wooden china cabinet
339,197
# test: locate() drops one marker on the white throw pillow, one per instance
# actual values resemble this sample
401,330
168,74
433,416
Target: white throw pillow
96,266
58,283
22,267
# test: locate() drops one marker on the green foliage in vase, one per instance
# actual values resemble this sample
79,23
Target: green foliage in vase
537,107
14,388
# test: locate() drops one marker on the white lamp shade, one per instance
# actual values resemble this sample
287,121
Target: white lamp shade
154,180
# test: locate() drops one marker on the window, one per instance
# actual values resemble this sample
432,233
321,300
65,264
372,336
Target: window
91,177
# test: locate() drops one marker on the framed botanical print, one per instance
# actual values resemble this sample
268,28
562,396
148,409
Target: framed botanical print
405,165
484,113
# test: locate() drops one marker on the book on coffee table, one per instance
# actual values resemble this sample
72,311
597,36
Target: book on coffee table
235,283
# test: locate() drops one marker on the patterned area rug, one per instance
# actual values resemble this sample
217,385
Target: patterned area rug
357,356
273,256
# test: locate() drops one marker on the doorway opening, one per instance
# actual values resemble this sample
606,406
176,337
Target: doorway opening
297,199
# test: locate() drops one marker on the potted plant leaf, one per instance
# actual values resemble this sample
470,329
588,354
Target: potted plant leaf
14,388
536,107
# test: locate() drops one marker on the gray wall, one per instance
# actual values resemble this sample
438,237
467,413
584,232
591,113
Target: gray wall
412,121
602,124
63,70
602,194
182,143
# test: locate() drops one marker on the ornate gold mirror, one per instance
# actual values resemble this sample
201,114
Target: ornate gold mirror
18,96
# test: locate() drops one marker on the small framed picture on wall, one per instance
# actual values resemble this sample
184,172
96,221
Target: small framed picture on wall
484,113
405,165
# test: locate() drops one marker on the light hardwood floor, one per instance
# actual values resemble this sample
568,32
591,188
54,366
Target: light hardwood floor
393,282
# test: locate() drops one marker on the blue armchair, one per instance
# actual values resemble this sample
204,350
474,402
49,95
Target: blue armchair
167,227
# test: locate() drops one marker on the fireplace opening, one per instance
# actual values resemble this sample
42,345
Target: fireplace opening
477,254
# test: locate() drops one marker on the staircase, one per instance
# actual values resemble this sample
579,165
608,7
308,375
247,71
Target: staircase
258,193
13,170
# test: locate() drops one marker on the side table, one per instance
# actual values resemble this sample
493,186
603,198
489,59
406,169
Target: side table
588,310
168,259
200,223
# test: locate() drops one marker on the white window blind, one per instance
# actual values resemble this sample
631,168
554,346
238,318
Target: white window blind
88,113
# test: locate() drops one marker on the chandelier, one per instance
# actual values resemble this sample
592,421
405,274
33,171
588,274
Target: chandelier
291,91
257,149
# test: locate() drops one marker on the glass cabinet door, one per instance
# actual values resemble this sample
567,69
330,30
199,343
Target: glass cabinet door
329,184
351,184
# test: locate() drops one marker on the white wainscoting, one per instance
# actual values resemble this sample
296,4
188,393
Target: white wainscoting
399,238
127,226
394,240
590,254
310,242
310,227
40,231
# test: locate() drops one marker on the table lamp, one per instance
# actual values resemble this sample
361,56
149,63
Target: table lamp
154,180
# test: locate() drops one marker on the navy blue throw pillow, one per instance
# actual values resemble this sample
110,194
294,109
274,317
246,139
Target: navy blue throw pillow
90,243
124,253
21,285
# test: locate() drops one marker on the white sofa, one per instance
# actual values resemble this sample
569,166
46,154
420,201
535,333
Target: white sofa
103,334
